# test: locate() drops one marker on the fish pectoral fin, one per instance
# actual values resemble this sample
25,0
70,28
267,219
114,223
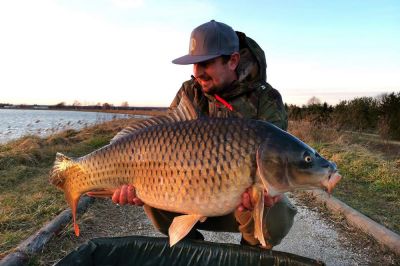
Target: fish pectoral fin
257,198
104,193
181,226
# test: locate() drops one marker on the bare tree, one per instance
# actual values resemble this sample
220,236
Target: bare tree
313,101
106,106
76,104
125,104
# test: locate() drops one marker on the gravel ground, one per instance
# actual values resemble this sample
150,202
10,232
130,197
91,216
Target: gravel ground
315,234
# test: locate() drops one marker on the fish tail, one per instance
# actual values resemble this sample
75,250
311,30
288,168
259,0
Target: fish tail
64,170
73,201
61,170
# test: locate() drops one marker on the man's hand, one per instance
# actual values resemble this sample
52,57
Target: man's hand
126,195
246,204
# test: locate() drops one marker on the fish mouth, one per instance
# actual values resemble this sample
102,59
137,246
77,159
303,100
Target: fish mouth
330,183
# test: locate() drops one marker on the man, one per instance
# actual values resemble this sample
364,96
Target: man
229,79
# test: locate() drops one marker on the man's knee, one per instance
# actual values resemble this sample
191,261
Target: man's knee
160,219
279,220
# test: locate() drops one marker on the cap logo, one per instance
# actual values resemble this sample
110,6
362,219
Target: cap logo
192,45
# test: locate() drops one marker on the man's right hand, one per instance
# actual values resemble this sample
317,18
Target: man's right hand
126,195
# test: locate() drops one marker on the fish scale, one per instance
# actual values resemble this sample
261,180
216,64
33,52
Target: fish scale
196,166
183,166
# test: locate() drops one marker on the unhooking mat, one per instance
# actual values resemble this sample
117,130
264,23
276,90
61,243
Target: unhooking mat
141,251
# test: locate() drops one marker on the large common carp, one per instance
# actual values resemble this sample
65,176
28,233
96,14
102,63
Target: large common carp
196,166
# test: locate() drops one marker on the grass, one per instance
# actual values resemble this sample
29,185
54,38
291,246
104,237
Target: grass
371,175
27,200
371,184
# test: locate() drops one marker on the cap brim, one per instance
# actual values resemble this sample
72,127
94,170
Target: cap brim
193,59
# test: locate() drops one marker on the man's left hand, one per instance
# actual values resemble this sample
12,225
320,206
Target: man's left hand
246,204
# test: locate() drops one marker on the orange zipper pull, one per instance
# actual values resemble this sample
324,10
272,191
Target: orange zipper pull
230,107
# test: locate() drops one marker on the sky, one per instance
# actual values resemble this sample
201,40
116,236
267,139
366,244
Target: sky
97,51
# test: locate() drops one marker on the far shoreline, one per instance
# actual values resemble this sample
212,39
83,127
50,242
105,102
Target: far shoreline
150,111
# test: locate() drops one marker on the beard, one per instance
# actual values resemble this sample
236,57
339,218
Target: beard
216,89
208,85
213,89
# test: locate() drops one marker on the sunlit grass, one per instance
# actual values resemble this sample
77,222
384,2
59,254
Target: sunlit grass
371,176
27,199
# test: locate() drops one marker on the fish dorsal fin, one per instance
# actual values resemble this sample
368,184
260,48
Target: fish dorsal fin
184,112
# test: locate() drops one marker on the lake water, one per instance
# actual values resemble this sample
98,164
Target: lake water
16,123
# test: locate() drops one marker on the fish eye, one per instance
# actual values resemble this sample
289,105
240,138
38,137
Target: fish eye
307,157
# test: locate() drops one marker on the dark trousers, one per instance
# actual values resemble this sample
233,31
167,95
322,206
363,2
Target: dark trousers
277,222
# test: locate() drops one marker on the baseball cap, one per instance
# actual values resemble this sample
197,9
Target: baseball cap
208,41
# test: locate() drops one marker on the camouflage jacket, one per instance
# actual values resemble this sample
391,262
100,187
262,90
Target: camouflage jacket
250,96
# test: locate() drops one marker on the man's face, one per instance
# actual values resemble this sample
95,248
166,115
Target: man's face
214,75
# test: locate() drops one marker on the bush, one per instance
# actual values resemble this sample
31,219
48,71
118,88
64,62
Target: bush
389,117
380,115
